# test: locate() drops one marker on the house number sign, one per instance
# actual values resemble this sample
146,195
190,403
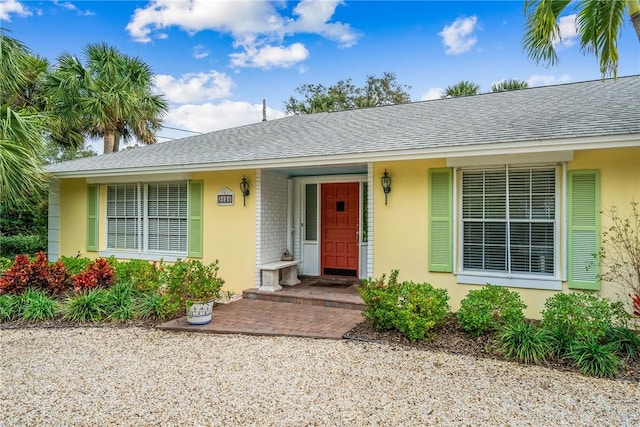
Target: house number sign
225,197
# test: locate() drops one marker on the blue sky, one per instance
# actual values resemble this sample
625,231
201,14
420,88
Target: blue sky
216,61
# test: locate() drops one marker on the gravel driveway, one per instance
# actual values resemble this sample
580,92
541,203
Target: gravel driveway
140,377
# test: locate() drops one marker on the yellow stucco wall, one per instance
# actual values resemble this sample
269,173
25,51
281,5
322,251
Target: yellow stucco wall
228,231
401,227
73,218
620,185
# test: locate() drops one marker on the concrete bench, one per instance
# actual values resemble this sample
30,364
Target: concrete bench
271,275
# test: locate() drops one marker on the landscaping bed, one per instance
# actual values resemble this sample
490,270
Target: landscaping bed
452,339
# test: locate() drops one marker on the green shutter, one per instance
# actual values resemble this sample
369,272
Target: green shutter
584,229
196,202
441,220
93,196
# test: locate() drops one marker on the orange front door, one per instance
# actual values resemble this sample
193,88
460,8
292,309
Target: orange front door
340,225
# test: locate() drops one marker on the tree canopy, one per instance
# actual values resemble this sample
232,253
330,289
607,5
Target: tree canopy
509,84
344,95
599,24
110,96
22,126
462,88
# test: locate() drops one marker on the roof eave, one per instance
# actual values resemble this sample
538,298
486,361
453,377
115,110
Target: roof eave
484,149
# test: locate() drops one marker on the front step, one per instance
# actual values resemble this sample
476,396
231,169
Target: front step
307,295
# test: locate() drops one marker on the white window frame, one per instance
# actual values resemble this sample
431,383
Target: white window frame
143,251
511,279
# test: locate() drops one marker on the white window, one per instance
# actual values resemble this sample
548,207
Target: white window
509,222
147,217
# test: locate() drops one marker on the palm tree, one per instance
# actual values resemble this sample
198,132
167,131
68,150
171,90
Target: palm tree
599,23
510,84
111,97
21,127
462,88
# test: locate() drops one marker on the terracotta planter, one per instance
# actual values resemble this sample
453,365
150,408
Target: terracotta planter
199,313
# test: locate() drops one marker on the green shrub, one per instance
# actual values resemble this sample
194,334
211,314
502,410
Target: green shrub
38,306
572,315
75,265
190,281
488,309
420,307
595,359
144,275
626,341
153,306
10,307
524,342
88,306
5,263
380,300
414,309
22,244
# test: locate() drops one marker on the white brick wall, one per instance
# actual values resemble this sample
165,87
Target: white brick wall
271,224
53,250
371,183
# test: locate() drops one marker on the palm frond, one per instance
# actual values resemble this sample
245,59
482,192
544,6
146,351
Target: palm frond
542,30
599,25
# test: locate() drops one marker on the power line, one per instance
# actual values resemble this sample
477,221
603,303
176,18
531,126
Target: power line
183,130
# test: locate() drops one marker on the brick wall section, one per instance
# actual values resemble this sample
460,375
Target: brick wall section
53,250
271,227
296,250
371,183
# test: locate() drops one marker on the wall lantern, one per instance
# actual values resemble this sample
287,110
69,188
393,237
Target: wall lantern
386,184
244,188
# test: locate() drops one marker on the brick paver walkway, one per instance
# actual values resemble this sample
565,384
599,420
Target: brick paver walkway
257,317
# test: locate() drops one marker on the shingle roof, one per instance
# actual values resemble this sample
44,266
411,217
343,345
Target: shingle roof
575,110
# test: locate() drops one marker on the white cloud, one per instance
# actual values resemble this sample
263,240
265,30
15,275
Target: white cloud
194,87
432,93
200,52
209,117
7,7
270,56
542,80
257,27
314,17
71,6
568,32
459,37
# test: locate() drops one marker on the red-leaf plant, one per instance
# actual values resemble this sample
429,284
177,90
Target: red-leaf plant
635,300
53,278
98,274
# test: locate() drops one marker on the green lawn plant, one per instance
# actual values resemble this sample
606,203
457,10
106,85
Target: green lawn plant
414,309
75,265
144,275
626,341
10,307
190,281
420,308
486,310
570,316
595,359
121,301
524,342
5,263
153,305
37,306
87,306
381,298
